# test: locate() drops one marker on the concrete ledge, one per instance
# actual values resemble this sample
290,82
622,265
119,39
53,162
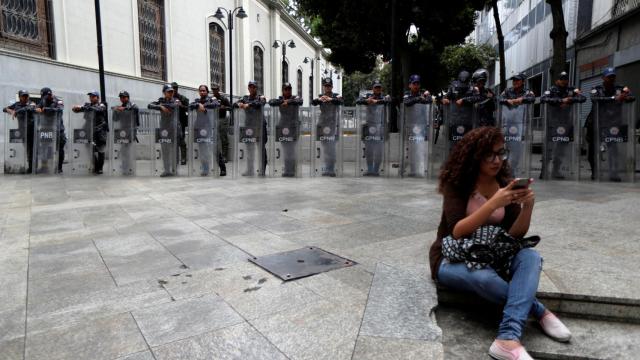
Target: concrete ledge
581,306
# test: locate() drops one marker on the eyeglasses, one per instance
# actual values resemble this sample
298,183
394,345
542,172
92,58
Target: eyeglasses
501,154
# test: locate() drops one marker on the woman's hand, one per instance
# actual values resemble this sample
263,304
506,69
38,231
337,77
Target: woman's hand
528,199
507,195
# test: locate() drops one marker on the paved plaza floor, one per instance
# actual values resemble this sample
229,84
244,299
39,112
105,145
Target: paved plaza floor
149,268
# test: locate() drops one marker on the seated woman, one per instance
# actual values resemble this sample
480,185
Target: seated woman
478,190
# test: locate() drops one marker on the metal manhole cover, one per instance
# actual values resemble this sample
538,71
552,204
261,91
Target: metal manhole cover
299,263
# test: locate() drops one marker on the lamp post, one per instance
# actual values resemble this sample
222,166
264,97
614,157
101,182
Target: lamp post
240,14
284,44
306,61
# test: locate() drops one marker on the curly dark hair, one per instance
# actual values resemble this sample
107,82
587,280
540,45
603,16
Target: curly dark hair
460,172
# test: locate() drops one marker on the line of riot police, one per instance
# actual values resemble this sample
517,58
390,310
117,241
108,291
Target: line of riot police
281,140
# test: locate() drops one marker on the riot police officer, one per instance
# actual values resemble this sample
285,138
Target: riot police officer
480,97
560,97
457,89
608,92
126,104
203,104
127,147
328,119
414,143
183,117
515,123
23,110
288,106
100,127
517,94
374,146
253,104
167,105
223,126
48,103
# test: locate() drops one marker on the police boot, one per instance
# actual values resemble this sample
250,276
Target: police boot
221,165
183,155
100,163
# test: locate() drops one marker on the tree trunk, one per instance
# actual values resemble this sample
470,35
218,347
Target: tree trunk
496,19
559,36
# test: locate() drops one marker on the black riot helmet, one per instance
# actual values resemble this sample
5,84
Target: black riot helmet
463,76
480,75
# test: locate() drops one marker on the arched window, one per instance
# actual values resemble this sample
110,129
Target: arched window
216,55
299,82
258,68
152,46
26,26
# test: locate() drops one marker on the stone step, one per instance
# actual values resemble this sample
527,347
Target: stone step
468,335
580,306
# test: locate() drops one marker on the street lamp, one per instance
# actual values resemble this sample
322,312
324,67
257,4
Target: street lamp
240,14
291,44
306,61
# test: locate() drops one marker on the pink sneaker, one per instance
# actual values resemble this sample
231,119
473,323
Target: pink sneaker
499,352
554,328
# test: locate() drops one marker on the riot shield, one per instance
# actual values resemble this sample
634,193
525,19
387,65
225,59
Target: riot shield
203,142
327,145
82,142
285,122
515,122
614,145
123,138
165,146
458,120
561,143
250,156
305,141
371,124
46,141
415,126
18,143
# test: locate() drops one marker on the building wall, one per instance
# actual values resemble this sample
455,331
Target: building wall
72,72
526,26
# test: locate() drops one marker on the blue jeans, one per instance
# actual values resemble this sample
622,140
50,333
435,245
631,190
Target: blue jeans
517,296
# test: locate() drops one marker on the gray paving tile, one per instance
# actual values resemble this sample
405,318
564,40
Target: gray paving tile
12,323
181,319
189,242
332,327
83,306
12,349
239,342
46,289
57,259
376,348
213,257
144,355
400,306
105,338
251,291
262,243
348,286
135,257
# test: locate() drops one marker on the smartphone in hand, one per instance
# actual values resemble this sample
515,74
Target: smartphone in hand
521,183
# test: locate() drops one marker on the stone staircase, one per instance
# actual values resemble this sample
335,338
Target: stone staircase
602,327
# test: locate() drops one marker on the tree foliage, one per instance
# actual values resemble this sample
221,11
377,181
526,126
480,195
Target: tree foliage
359,31
354,83
468,56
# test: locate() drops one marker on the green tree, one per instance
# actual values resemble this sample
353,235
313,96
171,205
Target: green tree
354,83
467,56
358,31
